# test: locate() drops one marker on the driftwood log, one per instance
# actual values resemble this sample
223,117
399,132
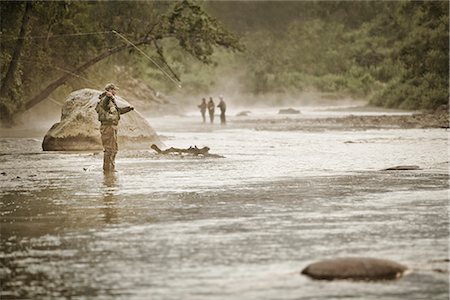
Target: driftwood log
191,150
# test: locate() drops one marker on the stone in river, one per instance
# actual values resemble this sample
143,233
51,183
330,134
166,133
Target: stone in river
402,168
288,111
355,268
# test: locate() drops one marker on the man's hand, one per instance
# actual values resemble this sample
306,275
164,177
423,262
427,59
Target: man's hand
131,108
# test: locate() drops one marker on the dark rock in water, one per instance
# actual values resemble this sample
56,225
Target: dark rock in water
440,260
442,271
79,128
288,111
355,268
244,113
402,168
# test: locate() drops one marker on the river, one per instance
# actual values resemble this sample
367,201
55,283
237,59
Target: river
238,227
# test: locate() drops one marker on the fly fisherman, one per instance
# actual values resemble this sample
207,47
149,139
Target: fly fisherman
211,108
109,116
223,107
202,107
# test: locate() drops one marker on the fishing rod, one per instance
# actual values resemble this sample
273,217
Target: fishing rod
149,58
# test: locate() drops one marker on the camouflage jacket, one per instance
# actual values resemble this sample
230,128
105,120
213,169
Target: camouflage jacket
108,111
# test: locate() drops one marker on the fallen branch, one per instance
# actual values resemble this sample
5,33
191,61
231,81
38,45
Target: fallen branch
191,150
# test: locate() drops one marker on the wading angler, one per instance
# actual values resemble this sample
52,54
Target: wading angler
109,116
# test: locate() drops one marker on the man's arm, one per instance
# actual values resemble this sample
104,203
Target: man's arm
124,110
121,110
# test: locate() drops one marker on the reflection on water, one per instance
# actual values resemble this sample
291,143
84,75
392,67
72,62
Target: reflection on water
110,198
242,227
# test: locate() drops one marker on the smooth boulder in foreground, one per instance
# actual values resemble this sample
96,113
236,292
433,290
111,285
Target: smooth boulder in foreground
355,268
79,128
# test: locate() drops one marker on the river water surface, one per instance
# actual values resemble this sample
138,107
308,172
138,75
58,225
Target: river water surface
239,227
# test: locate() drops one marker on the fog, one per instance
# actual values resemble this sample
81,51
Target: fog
333,149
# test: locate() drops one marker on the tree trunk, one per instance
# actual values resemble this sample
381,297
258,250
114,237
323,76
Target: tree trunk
60,81
9,77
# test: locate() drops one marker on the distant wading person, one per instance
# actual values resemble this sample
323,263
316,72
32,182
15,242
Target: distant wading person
202,107
109,116
223,107
211,108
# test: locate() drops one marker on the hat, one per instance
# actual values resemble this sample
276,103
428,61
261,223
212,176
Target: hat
111,86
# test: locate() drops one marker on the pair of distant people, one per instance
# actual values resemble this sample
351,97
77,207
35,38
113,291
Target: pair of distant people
210,106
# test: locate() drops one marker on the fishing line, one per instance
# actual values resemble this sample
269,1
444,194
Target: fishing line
55,101
57,35
76,75
96,85
149,58
177,82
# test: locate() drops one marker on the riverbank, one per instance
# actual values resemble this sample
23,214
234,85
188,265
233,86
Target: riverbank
421,120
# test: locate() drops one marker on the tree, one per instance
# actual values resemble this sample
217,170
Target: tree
7,82
142,22
423,56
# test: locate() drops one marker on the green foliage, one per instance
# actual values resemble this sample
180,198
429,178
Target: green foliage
423,55
56,42
393,53
197,32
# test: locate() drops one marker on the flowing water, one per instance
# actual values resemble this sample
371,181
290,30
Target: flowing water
239,227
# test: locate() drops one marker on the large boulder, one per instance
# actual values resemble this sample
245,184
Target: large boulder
355,268
79,128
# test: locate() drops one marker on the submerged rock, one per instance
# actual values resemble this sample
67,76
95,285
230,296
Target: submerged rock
288,111
79,128
243,113
402,168
355,268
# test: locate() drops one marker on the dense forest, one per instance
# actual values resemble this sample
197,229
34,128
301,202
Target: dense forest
394,54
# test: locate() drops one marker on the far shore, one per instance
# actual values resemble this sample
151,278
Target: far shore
423,119
438,118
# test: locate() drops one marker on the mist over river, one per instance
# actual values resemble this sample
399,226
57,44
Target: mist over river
238,227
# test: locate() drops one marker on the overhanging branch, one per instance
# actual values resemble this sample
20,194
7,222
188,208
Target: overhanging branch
63,79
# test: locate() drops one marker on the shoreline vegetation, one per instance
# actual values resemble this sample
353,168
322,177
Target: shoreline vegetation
438,118
393,54
425,119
